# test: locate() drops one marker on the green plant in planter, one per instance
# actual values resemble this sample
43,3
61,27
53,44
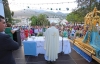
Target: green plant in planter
40,34
77,34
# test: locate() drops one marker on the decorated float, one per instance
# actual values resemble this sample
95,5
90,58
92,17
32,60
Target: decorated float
89,46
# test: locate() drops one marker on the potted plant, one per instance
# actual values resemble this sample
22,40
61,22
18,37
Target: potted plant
77,34
40,34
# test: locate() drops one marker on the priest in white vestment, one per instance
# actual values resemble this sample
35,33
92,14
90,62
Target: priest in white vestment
51,43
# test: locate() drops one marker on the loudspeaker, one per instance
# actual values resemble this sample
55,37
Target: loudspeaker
17,37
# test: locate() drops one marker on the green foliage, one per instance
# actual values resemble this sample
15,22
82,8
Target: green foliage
84,7
7,11
77,34
12,13
87,4
40,20
34,20
74,17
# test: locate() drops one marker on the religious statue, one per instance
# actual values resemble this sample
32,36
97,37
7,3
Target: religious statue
91,40
92,36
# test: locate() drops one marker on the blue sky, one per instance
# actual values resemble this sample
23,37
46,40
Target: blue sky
38,4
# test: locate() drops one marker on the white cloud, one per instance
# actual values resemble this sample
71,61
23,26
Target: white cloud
22,4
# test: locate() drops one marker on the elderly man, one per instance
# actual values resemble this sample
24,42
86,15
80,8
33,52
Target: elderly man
7,45
51,43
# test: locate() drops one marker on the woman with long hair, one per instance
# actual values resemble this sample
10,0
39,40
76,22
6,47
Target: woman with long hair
22,34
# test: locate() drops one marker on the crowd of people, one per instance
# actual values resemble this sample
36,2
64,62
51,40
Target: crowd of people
65,31
26,31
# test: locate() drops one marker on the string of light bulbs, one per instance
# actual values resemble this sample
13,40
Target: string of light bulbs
27,5
40,3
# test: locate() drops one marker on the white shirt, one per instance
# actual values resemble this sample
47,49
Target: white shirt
3,32
36,30
40,30
73,31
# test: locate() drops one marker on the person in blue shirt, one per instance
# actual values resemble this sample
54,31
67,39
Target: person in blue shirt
65,33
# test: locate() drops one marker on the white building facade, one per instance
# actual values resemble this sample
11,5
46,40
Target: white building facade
55,20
